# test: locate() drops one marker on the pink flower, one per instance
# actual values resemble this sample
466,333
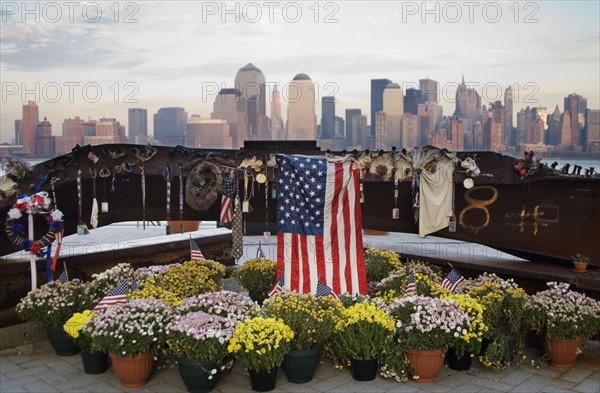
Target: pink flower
523,172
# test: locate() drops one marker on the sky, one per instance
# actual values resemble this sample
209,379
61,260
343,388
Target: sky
100,58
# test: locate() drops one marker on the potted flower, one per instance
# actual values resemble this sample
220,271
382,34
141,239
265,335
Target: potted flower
313,322
133,334
460,355
361,334
565,317
428,281
580,262
380,263
199,340
257,276
178,282
51,305
226,304
102,283
428,326
260,344
505,310
80,328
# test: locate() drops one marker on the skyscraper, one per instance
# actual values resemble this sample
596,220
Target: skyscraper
45,145
509,138
377,87
18,132
207,133
429,90
468,103
414,97
393,107
301,119
169,126
576,105
231,107
350,114
553,134
138,124
327,117
593,130
250,81
29,123
276,124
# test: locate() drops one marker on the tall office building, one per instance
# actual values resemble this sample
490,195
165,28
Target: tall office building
340,130
410,131
250,81
413,98
509,138
360,132
553,134
45,145
276,125
72,135
377,87
429,90
169,126
17,132
207,133
576,105
327,117
29,123
138,125
231,107
301,119
468,103
593,130
350,114
393,107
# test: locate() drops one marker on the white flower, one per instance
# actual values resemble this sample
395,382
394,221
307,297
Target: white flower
14,214
57,215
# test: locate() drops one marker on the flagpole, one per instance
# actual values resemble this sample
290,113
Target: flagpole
32,256
66,271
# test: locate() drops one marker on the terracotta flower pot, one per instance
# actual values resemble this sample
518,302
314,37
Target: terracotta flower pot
132,371
425,364
580,267
563,353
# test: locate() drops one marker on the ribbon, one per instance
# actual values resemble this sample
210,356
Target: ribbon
59,237
49,263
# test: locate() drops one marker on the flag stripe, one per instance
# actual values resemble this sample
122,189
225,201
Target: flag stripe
347,230
295,283
357,240
320,259
333,174
306,276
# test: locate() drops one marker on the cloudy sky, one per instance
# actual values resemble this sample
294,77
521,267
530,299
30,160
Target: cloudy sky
94,59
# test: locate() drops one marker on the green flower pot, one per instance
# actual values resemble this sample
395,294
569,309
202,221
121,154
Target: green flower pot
300,365
61,342
197,375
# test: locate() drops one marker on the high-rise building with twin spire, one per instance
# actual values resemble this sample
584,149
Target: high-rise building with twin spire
301,119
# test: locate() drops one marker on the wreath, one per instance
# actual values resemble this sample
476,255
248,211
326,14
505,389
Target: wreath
203,185
35,204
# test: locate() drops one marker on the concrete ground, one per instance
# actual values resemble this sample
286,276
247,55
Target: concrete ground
36,368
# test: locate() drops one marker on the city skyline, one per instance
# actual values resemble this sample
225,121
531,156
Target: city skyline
544,61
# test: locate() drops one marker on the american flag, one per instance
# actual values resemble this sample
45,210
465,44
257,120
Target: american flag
227,201
324,290
259,252
64,276
117,296
411,287
319,224
195,252
452,281
278,288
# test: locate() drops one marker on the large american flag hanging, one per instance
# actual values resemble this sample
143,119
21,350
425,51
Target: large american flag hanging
319,225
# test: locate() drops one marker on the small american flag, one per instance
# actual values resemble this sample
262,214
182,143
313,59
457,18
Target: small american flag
117,296
278,288
227,201
195,251
452,281
324,290
259,252
411,287
64,276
